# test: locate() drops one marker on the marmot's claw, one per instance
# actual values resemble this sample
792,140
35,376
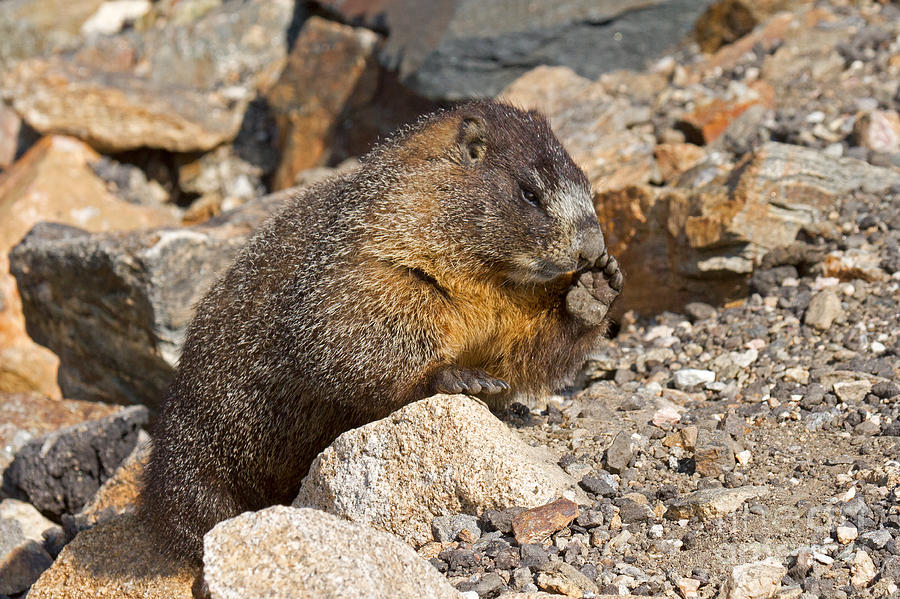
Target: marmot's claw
471,381
603,260
593,291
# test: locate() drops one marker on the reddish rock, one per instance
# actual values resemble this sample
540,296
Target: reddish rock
331,69
537,524
52,182
27,415
709,120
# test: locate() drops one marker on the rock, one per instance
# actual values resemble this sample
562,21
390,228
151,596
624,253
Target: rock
846,534
330,68
876,539
564,579
757,580
34,27
603,484
139,288
221,177
22,553
687,378
119,558
288,552
59,472
711,119
697,311
852,391
53,181
707,504
674,159
824,309
719,231
117,496
457,49
713,453
619,453
443,454
631,511
534,526
112,15
129,182
688,587
501,520
24,416
633,219
182,87
685,438
724,22
863,570
446,528
489,583
878,130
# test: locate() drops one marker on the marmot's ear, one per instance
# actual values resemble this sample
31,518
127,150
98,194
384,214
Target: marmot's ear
473,139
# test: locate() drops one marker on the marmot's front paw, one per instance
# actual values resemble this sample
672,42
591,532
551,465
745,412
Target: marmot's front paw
593,291
471,381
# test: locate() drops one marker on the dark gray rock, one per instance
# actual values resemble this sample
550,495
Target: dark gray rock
21,560
501,520
603,484
619,453
456,49
138,288
59,472
534,556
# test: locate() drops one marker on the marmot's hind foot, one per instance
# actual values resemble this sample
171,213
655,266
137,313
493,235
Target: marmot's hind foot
471,381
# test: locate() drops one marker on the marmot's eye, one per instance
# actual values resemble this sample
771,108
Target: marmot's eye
530,197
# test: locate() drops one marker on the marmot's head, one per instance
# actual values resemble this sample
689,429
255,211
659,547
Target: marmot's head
488,187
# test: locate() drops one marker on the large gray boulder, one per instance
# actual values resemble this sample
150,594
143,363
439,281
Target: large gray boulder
457,49
115,306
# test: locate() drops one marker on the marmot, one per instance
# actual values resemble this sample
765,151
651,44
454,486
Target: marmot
463,256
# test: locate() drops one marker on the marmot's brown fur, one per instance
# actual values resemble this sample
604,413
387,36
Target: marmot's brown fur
463,255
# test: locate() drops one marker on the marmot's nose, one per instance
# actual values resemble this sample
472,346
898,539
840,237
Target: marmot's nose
592,245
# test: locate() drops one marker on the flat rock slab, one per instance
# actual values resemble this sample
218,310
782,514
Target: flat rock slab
118,559
707,504
443,455
457,49
59,472
284,552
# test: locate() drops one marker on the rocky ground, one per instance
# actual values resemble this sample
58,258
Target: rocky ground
737,437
